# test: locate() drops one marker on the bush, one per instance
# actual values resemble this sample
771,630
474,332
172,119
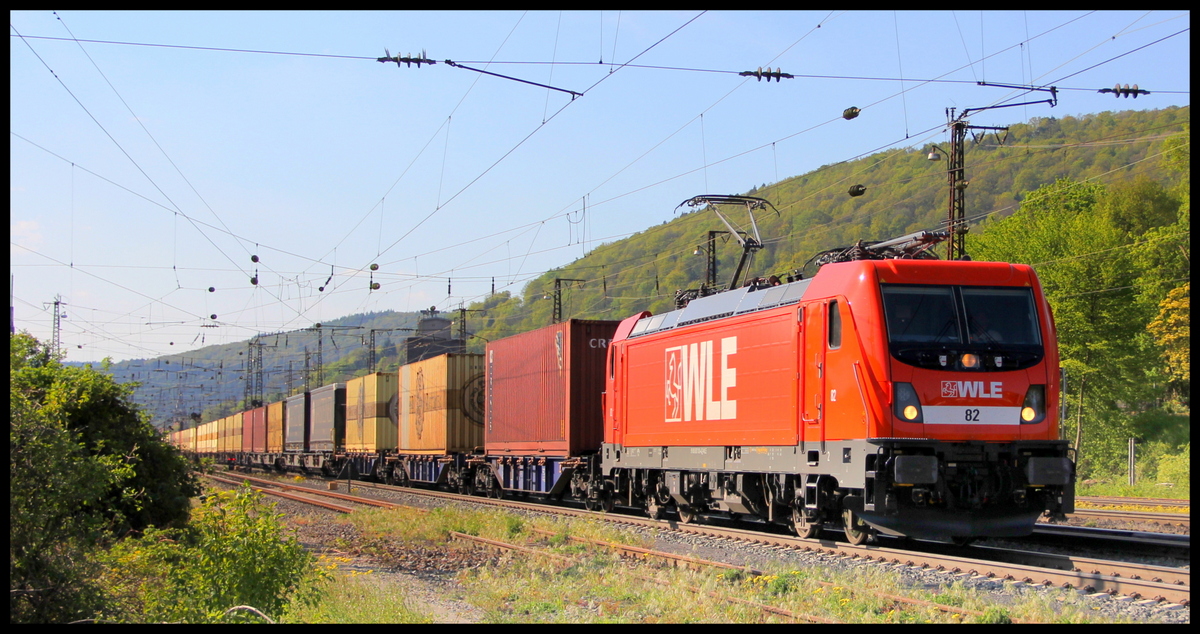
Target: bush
53,523
232,553
1176,468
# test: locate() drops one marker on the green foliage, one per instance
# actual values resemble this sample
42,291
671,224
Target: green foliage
906,193
156,488
1105,281
54,489
355,597
994,615
1172,430
233,553
1171,329
84,466
1176,468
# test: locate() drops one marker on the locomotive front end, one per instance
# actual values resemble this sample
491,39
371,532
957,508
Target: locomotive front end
973,447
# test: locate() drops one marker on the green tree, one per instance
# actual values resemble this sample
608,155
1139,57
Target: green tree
1087,270
108,423
56,495
104,418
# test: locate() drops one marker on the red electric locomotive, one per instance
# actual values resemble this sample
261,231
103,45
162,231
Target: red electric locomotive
911,397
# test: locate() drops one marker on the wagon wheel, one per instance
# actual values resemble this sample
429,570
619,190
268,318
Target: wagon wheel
401,473
495,491
857,531
802,527
687,514
961,541
389,476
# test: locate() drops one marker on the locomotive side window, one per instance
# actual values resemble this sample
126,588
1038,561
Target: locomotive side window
835,326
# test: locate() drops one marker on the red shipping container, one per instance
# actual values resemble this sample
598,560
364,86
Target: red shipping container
254,430
545,389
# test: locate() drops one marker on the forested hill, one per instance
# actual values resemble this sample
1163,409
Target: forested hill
905,192
211,381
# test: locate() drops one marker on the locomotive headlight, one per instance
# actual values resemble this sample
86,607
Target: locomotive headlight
907,406
970,360
1034,409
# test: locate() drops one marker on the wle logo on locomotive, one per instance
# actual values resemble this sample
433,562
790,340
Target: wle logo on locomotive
971,389
689,374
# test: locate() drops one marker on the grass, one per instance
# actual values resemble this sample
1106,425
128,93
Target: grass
599,587
354,597
1139,490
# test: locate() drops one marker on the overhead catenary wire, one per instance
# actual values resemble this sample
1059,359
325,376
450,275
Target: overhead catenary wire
598,201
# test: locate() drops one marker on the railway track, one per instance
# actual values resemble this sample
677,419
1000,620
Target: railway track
1173,519
1118,579
1120,501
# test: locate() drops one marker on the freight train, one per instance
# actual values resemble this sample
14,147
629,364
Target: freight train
903,397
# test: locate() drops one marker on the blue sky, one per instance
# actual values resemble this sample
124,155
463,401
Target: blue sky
141,176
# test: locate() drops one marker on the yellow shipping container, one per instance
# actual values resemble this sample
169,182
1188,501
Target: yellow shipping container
231,437
209,441
222,433
371,412
441,404
275,426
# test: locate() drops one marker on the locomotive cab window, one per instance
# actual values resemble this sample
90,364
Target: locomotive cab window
1001,315
935,326
835,326
920,314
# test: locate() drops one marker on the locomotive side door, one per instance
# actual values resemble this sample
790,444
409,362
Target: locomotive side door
812,371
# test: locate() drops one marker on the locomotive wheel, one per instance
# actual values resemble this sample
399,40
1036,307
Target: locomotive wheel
857,531
802,527
653,508
657,499
607,499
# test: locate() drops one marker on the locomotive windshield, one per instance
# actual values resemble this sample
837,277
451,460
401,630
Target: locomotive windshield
928,325
1000,316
